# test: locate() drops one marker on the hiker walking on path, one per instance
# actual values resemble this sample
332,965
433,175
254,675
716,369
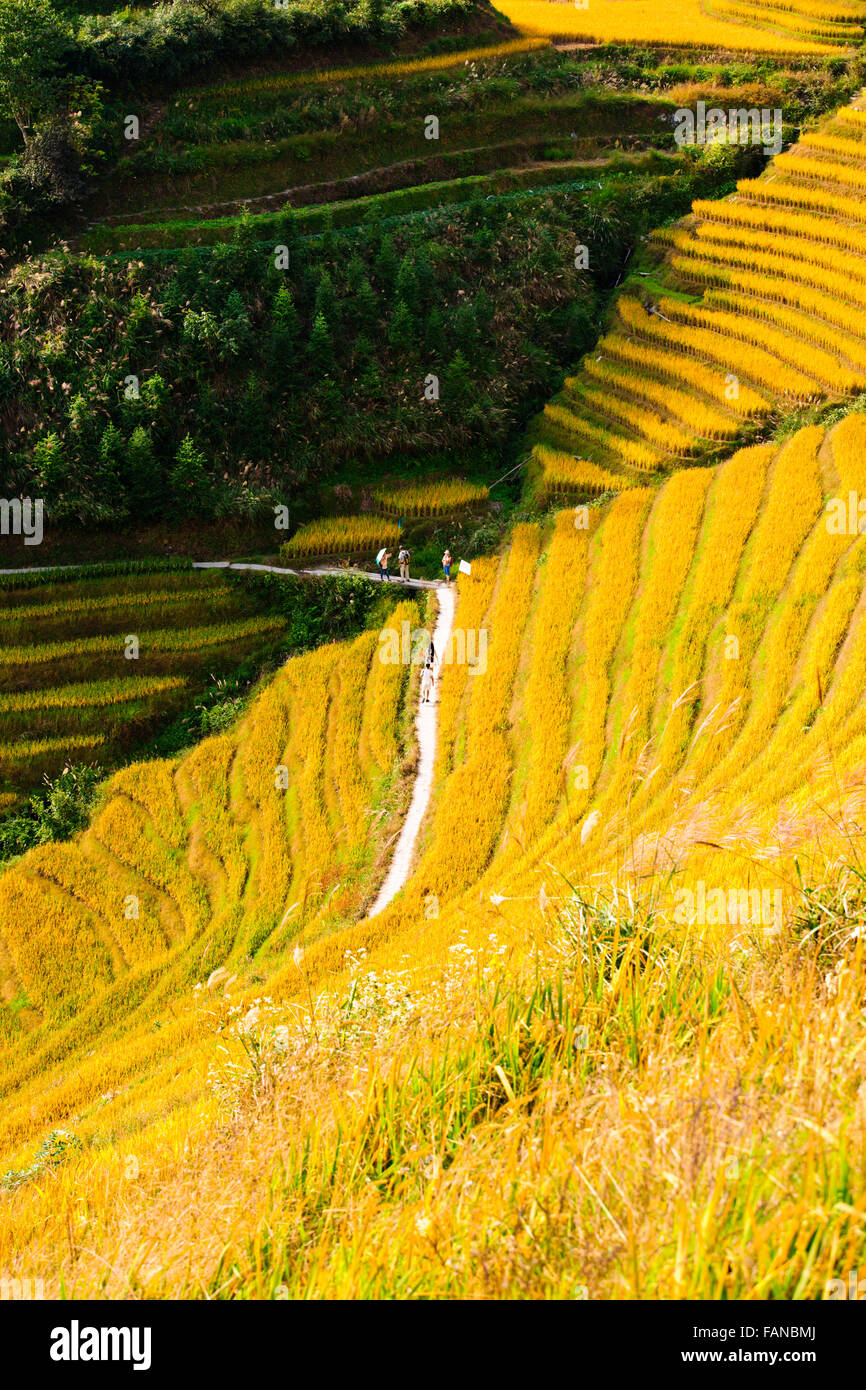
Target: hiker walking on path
403,558
446,566
382,561
431,656
426,684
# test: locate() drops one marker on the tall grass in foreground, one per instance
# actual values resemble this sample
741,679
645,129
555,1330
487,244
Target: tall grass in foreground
602,1108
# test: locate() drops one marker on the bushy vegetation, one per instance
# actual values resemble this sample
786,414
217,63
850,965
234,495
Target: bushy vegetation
56,66
54,812
217,380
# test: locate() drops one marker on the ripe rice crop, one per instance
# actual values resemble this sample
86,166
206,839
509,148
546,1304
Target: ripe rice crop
667,437
673,366
765,217
341,535
672,701
832,144
751,361
748,248
691,411
845,283
563,473
166,640
666,22
64,609
89,694
429,499
614,581
797,22
786,291
823,366
16,757
605,658
780,316
571,425
384,697
673,532
794,323
819,9
474,797
825,170
548,690
774,191
852,116
731,511
64,640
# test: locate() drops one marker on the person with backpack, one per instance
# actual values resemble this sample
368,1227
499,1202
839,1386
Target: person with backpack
446,566
403,558
382,561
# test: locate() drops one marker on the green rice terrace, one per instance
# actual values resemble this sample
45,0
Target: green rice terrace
97,663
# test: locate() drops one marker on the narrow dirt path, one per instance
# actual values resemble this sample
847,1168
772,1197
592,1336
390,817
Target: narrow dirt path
319,571
427,726
265,569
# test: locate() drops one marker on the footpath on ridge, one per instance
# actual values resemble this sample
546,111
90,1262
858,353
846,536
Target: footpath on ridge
266,569
426,725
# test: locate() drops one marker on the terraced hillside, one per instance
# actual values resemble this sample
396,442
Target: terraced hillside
286,813
668,711
508,116
758,310
313,275
90,666
763,26
606,1041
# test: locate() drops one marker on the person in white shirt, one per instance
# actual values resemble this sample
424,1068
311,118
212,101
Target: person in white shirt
426,684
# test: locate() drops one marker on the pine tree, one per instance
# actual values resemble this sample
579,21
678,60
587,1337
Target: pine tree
143,484
286,227
188,478
244,252
321,347
407,285
401,329
110,453
466,329
457,382
428,286
50,459
285,331
356,274
366,305
385,264
326,303
155,401
434,337
283,312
